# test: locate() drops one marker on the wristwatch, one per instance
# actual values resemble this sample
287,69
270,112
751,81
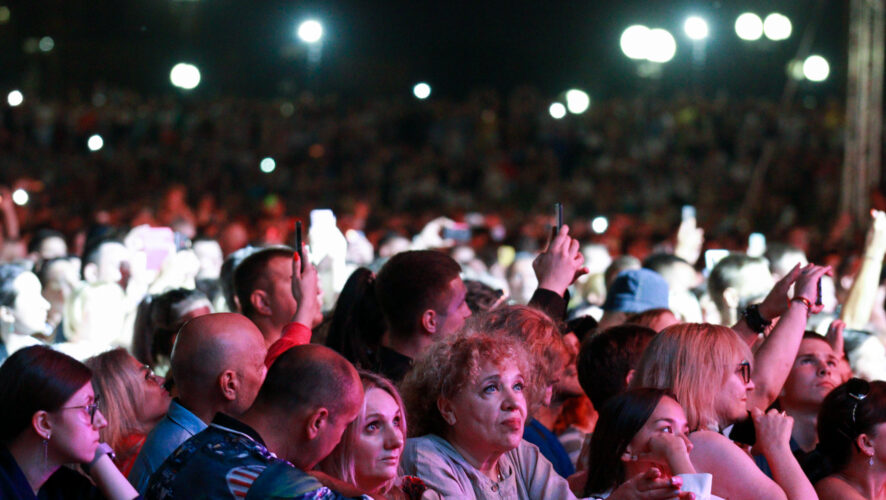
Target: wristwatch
754,319
100,451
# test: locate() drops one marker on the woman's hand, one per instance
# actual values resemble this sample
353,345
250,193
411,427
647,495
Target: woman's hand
669,450
651,485
807,285
773,430
776,301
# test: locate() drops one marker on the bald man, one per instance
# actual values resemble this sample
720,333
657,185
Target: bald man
218,367
267,452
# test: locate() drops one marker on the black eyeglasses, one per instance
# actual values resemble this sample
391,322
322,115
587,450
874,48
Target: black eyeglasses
858,389
91,409
744,369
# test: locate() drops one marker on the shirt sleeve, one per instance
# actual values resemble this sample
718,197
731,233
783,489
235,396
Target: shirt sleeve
550,303
438,474
293,334
539,475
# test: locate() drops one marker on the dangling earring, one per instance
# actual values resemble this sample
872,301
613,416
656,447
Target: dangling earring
46,453
871,461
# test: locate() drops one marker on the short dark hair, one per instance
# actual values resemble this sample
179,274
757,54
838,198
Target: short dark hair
92,251
728,273
248,274
411,283
620,420
606,358
40,236
324,378
661,261
8,274
33,379
775,252
226,275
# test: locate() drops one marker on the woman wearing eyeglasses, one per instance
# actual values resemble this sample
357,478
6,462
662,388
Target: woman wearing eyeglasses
134,401
852,438
708,368
49,417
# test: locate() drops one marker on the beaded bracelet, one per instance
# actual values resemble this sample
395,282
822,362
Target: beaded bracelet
804,300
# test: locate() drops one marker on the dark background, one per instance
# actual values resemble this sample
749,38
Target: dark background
249,48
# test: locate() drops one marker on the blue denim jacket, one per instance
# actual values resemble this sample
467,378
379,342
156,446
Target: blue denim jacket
177,426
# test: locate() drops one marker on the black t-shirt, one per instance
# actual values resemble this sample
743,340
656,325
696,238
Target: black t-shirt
64,484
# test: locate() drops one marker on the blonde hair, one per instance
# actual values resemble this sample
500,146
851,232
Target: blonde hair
692,360
118,381
340,463
450,365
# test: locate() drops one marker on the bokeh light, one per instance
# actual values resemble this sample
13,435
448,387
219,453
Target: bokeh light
4,14
661,46
696,28
749,26
310,31
777,27
185,76
421,90
600,224
816,68
20,197
557,110
15,98
95,142
577,101
267,165
634,41
46,44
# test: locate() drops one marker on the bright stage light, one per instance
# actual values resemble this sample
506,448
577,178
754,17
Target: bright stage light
95,142
577,101
777,27
310,31
15,98
696,28
421,90
20,197
634,41
557,110
185,76
749,26
816,68
268,165
662,46
46,44
600,224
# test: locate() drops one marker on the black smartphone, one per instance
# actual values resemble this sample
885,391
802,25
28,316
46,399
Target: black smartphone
558,215
818,296
298,245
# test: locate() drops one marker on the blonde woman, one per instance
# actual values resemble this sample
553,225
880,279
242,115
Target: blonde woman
368,455
708,368
133,399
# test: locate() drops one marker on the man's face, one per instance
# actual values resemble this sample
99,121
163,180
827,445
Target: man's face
337,422
30,307
279,290
814,374
453,310
52,247
113,260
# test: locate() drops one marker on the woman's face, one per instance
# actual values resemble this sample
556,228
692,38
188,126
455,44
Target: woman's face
74,433
155,399
667,418
379,440
487,416
731,402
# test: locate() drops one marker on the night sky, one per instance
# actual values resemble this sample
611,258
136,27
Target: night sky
249,48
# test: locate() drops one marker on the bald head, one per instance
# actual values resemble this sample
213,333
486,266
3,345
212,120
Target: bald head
209,346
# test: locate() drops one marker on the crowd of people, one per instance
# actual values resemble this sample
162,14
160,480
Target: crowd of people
183,348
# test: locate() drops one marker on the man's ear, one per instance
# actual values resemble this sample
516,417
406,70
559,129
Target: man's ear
730,297
429,320
317,421
229,384
41,424
260,302
444,406
90,272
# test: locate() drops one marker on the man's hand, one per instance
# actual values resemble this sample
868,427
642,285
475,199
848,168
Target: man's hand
560,264
306,291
